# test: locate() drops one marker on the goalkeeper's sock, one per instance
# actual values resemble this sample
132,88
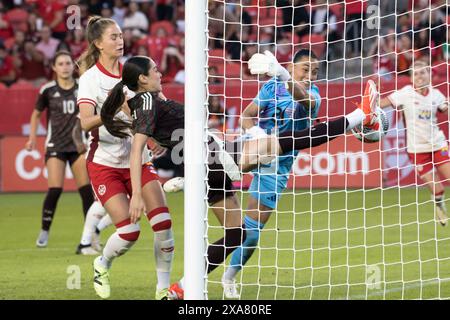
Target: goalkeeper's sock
314,136
94,215
219,250
355,118
120,242
241,255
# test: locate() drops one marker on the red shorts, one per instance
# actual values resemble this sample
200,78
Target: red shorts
425,162
107,181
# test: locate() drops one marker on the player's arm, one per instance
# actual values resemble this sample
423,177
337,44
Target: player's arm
249,115
34,121
77,137
137,205
385,102
301,94
89,120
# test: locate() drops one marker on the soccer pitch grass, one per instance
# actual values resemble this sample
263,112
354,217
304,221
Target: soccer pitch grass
323,255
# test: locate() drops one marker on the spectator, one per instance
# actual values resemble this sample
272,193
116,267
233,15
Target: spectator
173,62
165,9
19,43
384,53
5,27
355,14
216,116
35,24
119,12
295,16
134,19
324,22
47,45
213,75
156,45
107,10
7,71
53,12
31,64
77,44
222,25
404,54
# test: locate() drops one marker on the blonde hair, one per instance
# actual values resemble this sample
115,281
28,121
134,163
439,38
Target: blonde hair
94,31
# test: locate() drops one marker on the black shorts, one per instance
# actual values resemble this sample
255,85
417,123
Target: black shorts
220,185
70,157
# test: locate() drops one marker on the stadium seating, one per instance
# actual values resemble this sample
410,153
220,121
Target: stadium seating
18,19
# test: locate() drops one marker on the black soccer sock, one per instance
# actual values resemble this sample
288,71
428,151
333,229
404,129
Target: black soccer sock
218,251
48,211
87,197
312,137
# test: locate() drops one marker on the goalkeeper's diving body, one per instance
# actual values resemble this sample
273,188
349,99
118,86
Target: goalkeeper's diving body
280,106
159,119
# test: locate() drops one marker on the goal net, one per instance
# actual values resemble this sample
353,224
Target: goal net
348,219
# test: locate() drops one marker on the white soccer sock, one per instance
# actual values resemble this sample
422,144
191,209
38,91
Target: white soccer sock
163,249
355,118
231,273
104,222
93,216
121,241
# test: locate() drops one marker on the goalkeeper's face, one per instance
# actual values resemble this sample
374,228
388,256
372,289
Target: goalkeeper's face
305,70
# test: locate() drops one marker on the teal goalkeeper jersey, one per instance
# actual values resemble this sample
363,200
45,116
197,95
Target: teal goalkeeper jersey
279,113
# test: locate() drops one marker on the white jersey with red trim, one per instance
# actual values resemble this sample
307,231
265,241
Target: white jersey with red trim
105,149
420,115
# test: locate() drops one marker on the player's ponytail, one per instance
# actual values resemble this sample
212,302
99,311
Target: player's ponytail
112,106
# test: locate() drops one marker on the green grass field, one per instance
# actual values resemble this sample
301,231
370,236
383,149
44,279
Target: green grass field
320,255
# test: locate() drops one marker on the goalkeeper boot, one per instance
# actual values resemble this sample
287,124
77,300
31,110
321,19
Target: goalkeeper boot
101,279
369,104
176,292
42,239
441,213
230,289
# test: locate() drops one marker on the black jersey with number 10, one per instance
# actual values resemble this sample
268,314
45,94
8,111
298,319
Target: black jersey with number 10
62,111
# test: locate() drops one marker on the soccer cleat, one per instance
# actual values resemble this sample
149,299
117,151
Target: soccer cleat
174,185
230,289
101,279
163,294
95,242
369,104
42,239
86,250
441,214
176,292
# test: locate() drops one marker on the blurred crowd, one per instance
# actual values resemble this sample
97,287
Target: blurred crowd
31,31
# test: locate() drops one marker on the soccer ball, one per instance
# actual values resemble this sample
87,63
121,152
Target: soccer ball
371,135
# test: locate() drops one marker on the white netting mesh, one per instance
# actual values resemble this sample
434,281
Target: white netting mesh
354,222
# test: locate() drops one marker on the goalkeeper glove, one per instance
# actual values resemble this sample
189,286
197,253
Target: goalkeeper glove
268,64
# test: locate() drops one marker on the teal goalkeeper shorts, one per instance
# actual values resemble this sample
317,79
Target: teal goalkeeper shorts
267,188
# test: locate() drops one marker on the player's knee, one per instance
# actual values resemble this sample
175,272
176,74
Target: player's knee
128,231
160,219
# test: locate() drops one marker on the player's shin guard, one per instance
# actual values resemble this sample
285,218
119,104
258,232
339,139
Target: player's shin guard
161,224
48,210
87,197
241,255
95,213
219,250
120,242
312,137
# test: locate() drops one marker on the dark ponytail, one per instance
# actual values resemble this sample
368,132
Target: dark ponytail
112,106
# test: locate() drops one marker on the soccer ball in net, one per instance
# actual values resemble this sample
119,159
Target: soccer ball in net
371,135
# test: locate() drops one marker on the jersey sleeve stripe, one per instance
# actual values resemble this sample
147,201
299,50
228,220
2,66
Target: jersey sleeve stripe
86,100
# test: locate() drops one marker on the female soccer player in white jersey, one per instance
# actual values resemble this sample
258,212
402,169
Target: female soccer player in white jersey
58,97
159,118
108,161
426,143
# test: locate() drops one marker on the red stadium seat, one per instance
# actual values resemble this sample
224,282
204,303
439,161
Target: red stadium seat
9,43
168,26
3,86
316,42
22,84
217,56
230,70
18,19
